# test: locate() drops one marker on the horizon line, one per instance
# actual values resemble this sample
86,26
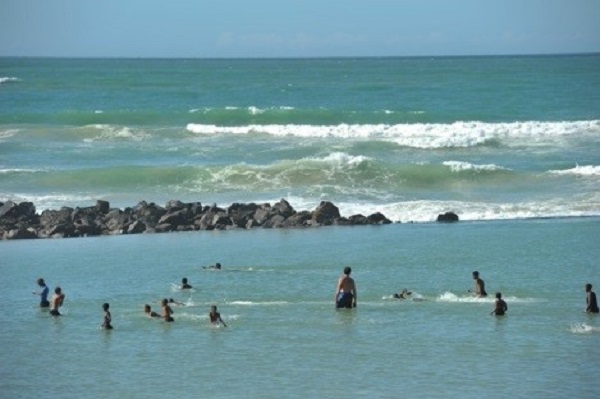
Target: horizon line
552,54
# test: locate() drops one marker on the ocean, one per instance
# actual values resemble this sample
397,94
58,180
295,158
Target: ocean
510,144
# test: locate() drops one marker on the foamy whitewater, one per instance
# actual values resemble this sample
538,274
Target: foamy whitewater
510,144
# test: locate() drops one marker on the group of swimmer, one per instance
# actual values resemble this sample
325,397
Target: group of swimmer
346,294
346,297
58,299
55,302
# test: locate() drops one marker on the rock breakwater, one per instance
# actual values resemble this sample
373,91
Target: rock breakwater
21,221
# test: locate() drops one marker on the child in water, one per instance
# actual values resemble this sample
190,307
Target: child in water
167,311
184,284
215,317
149,312
57,301
404,294
500,306
107,317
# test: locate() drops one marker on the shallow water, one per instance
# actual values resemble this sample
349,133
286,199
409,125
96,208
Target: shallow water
284,339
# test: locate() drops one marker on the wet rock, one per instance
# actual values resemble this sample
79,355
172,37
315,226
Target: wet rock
448,217
18,221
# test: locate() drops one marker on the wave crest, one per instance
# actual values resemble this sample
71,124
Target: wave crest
420,135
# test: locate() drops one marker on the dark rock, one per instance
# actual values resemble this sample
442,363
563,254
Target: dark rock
298,219
9,209
174,218
262,214
117,221
150,214
54,218
62,230
378,218
22,221
358,219
18,234
102,207
136,227
326,213
447,217
162,228
283,208
276,221
86,226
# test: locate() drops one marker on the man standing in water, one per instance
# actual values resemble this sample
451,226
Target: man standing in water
345,293
479,286
590,300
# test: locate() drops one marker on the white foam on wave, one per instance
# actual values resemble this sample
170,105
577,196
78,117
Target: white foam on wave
469,298
458,166
6,134
453,298
340,159
51,201
17,170
428,210
112,132
8,79
421,135
252,110
588,170
253,303
583,328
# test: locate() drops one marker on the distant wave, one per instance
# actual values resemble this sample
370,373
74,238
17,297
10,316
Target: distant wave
589,170
8,79
419,135
6,134
20,171
251,110
457,166
112,132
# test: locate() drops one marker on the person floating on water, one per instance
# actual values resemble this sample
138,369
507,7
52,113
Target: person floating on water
149,312
215,317
590,300
43,293
216,266
500,305
107,317
184,284
345,292
479,286
404,294
167,311
57,301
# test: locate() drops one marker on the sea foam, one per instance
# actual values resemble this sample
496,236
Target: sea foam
419,135
8,79
588,170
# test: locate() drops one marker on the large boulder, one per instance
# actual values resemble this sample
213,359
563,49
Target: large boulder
102,207
18,234
283,208
150,214
447,217
378,218
51,218
326,213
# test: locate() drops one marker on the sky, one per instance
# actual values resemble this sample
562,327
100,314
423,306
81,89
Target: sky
296,28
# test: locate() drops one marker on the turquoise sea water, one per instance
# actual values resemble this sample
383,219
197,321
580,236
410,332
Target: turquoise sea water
284,339
486,137
511,144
